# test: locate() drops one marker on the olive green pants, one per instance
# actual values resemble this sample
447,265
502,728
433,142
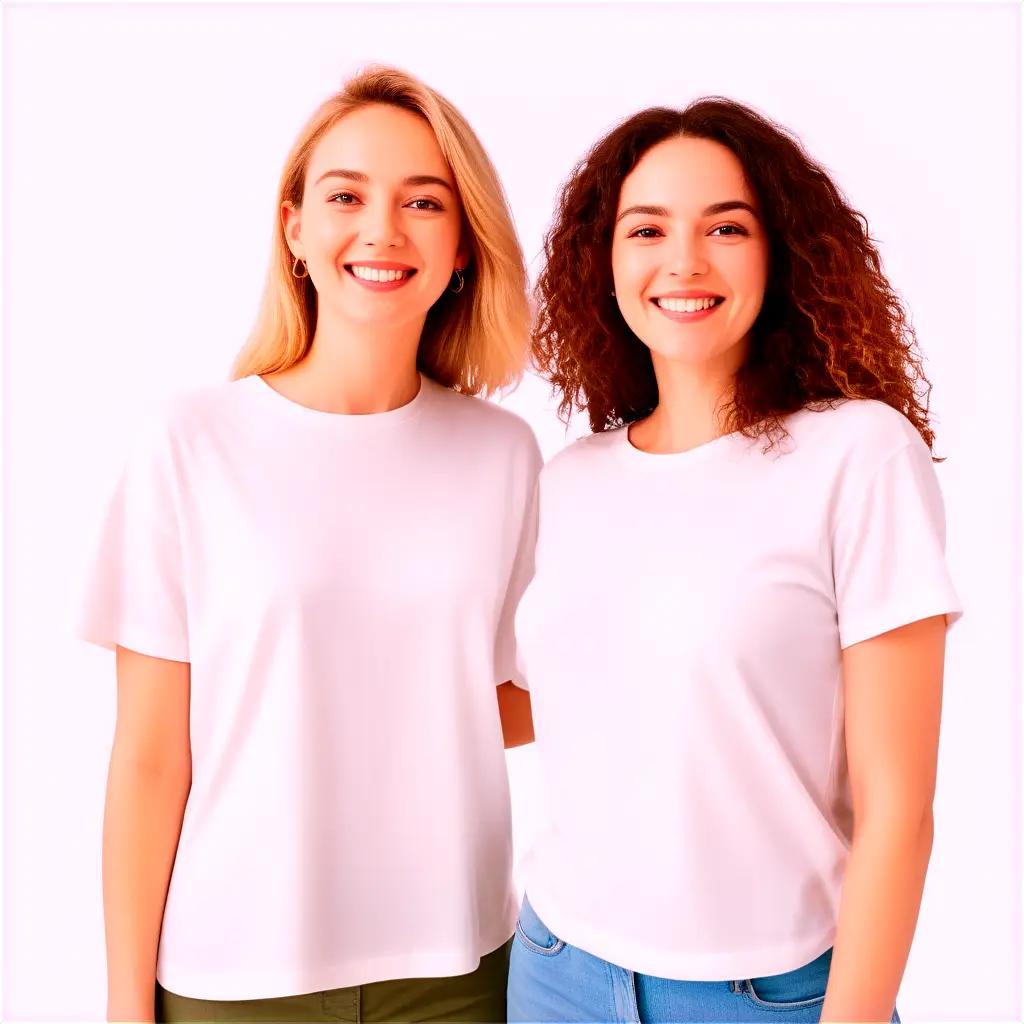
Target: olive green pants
478,996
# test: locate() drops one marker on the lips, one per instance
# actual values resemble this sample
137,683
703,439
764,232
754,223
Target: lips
380,277
380,272
687,303
688,293
687,310
379,265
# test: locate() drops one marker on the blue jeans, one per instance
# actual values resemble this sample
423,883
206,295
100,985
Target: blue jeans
549,980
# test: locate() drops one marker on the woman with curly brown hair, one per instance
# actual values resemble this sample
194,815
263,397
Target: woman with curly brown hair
734,638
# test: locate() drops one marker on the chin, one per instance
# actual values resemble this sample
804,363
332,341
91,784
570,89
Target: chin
380,313
693,350
689,346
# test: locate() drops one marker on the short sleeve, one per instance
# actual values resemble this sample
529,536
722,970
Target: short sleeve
888,555
506,665
132,592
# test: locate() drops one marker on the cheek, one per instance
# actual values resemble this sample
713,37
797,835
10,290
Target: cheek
629,270
326,233
436,247
759,267
748,273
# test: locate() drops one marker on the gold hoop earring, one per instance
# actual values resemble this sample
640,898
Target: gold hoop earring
462,282
305,272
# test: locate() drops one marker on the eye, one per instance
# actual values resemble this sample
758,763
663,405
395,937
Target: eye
640,233
432,204
347,198
730,229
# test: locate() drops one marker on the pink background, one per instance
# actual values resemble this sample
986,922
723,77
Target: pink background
142,148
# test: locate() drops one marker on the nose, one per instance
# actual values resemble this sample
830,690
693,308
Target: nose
688,258
381,228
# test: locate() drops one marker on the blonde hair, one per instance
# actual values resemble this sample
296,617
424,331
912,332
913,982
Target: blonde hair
475,341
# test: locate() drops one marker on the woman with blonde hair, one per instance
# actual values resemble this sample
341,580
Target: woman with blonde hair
307,573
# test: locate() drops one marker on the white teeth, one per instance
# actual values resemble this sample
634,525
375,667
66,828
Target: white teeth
685,305
373,274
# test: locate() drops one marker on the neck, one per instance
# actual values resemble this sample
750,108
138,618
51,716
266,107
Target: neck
690,399
355,368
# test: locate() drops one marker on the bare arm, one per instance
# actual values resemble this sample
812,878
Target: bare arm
893,687
147,786
516,715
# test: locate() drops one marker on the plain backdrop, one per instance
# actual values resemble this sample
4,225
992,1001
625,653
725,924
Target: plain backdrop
142,148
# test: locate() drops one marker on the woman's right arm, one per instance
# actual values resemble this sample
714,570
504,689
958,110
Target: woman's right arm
147,787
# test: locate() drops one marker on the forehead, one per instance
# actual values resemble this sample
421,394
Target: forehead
683,174
383,142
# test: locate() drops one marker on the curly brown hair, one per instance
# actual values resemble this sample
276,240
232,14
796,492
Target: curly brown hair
830,326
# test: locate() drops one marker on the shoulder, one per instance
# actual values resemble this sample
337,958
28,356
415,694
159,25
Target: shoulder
583,455
192,412
177,421
187,408
485,420
859,431
859,445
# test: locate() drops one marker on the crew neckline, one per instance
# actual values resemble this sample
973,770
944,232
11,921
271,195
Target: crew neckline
341,422
700,453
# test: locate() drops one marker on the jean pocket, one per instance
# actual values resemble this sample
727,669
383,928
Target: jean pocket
794,990
534,934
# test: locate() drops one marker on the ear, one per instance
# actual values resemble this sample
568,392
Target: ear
462,254
291,220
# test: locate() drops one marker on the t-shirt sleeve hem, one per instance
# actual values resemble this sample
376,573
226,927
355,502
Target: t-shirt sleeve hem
865,625
519,684
137,640
509,674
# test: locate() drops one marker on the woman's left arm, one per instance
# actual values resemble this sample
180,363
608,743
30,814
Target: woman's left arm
893,697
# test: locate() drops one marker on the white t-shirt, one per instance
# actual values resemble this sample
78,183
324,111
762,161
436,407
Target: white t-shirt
681,640
343,587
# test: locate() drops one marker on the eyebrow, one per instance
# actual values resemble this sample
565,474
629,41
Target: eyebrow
415,179
710,211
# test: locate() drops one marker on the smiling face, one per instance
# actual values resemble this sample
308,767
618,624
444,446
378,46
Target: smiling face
380,222
689,254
